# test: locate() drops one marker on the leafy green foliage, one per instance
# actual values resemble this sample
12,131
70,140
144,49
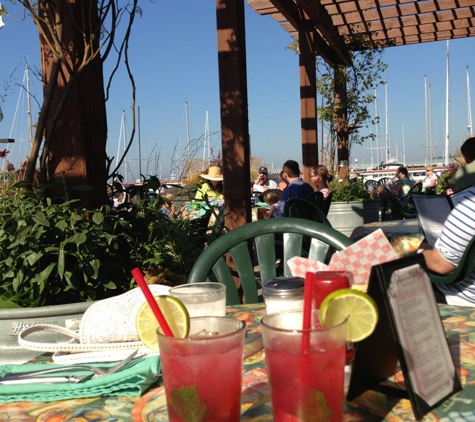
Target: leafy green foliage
446,181
352,190
360,81
187,403
54,253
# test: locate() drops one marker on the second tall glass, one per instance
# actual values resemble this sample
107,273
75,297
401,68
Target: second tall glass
305,368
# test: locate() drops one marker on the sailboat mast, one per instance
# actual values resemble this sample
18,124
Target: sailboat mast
388,155
30,122
120,138
403,148
188,137
376,126
206,141
431,146
426,104
446,154
469,106
140,145
125,146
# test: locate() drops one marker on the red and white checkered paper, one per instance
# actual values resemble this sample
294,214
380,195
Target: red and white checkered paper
358,258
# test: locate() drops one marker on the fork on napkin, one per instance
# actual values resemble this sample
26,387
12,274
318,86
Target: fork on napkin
133,380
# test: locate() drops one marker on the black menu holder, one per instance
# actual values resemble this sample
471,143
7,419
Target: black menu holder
409,331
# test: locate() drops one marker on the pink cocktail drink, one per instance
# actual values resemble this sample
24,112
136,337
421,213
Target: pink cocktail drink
305,368
326,282
203,374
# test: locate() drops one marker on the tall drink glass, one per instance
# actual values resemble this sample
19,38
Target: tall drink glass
203,373
202,299
305,368
326,282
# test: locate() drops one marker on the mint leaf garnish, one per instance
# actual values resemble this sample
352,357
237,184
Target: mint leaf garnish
186,402
315,408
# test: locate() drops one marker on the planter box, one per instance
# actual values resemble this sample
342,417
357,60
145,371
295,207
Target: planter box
346,216
14,321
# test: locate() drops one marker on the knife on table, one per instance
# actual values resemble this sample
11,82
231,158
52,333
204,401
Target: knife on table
15,380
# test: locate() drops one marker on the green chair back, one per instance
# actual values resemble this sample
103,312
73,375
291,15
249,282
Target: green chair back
463,270
302,208
254,246
398,208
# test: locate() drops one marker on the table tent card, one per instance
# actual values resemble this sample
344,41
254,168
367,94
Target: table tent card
409,337
358,259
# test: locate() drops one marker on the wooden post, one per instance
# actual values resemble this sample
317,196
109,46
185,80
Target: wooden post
308,102
234,113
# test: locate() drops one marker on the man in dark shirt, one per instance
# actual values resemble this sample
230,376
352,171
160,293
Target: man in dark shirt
296,186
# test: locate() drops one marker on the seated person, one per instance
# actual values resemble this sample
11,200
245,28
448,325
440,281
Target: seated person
282,183
320,178
465,175
212,188
168,207
263,182
430,182
271,198
119,199
458,230
296,186
404,185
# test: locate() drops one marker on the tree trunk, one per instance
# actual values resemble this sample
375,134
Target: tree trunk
76,127
342,121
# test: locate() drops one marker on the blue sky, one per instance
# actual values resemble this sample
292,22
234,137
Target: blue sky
173,56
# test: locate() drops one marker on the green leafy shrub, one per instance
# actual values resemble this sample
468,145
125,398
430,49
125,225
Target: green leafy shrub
350,190
446,181
54,253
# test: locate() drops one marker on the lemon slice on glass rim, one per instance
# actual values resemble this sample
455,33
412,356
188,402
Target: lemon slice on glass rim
358,307
175,314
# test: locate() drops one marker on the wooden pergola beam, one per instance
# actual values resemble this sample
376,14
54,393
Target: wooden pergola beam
319,16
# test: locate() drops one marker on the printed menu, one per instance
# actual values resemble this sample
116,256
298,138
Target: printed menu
421,334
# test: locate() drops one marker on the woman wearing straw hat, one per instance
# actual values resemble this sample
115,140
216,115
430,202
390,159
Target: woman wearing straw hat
212,188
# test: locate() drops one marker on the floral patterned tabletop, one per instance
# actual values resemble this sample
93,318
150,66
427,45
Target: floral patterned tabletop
459,323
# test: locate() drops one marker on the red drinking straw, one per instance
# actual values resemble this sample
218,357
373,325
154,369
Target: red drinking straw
151,301
307,301
307,311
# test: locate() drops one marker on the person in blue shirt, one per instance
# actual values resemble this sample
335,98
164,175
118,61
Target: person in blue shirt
296,186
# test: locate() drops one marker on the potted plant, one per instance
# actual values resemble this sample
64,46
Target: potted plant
352,205
57,258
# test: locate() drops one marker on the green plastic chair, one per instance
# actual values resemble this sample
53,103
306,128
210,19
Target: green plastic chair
399,210
301,208
263,234
463,270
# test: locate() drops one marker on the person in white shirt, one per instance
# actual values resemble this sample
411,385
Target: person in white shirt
263,182
430,181
458,231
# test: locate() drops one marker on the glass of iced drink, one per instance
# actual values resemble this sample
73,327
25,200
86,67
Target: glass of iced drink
305,368
326,282
202,374
202,299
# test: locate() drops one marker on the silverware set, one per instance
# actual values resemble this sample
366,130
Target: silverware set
60,373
